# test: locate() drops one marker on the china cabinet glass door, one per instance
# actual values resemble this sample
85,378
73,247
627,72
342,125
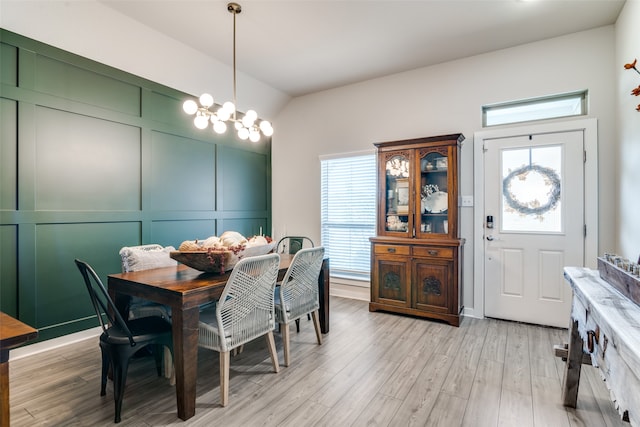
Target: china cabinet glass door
433,217
398,193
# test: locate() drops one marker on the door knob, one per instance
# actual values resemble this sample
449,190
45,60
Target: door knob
490,238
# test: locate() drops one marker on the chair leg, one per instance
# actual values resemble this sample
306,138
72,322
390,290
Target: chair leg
224,378
271,344
105,369
158,353
316,326
236,351
120,368
298,325
285,342
168,363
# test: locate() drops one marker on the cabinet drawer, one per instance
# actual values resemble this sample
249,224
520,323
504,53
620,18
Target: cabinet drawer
433,252
392,249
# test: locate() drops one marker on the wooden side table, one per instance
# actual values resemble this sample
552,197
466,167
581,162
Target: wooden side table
12,334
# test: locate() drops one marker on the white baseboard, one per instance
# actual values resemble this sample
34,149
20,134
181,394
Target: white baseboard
39,347
470,312
340,289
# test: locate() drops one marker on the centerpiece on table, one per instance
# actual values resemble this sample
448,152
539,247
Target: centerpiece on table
220,254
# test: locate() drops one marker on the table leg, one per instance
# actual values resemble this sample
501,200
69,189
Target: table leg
323,285
185,355
573,367
4,388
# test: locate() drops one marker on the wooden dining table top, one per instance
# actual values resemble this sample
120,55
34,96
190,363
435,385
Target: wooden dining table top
13,332
179,285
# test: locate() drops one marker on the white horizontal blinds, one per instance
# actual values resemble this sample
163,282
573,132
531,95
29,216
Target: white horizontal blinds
349,213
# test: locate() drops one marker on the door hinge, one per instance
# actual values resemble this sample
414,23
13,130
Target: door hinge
584,159
585,230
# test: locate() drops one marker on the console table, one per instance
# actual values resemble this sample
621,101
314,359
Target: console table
606,325
12,334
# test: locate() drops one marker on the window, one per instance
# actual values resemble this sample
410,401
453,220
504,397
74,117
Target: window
348,214
548,107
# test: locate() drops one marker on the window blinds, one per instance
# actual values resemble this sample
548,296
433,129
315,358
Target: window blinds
349,213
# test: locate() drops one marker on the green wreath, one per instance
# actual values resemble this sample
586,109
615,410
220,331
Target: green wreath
550,177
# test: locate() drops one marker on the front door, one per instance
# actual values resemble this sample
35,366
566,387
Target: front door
534,225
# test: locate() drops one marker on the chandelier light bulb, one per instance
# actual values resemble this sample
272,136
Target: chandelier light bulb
252,115
229,107
266,128
190,107
206,100
247,121
201,122
223,114
219,127
254,135
238,125
243,133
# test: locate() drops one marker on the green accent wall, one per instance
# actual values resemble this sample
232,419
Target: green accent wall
93,159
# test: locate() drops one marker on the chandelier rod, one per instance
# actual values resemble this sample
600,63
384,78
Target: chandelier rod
234,8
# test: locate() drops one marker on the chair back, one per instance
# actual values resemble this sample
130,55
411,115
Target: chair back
294,243
102,302
245,310
299,292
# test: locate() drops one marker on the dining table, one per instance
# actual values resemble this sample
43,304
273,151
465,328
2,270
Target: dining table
13,333
185,289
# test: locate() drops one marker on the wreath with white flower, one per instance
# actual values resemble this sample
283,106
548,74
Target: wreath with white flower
532,207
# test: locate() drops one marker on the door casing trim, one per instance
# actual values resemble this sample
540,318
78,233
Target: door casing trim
589,126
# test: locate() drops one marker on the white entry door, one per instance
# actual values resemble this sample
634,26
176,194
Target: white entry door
534,196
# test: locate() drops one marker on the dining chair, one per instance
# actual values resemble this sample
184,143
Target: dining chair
292,244
146,257
298,294
244,312
121,339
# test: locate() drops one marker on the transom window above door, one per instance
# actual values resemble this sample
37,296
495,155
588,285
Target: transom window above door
546,107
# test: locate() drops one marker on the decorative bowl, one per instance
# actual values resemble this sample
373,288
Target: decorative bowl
218,261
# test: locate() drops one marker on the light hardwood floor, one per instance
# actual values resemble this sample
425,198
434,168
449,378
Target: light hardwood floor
372,369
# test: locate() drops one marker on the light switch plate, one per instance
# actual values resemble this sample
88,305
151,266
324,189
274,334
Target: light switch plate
466,201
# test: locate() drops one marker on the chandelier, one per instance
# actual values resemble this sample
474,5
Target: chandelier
247,127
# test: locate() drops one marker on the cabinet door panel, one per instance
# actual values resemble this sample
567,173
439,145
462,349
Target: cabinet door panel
390,285
431,285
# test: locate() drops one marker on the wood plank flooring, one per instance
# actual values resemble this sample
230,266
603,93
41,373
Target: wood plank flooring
373,369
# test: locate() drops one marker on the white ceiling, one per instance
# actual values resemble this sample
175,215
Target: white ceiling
304,46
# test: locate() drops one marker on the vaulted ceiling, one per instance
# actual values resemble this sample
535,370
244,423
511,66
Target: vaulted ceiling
304,46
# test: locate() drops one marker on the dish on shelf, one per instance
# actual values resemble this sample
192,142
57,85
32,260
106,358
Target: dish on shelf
437,202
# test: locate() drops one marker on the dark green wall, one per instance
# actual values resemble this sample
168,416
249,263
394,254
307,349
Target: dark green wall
93,159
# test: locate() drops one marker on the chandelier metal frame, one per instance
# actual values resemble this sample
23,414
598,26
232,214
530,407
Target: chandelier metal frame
248,127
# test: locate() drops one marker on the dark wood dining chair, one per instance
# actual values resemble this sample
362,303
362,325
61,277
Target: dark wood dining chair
121,339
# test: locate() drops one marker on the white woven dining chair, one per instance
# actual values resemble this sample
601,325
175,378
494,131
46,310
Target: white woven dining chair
299,295
244,312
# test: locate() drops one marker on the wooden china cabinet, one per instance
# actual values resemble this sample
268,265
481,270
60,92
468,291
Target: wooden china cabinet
416,257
